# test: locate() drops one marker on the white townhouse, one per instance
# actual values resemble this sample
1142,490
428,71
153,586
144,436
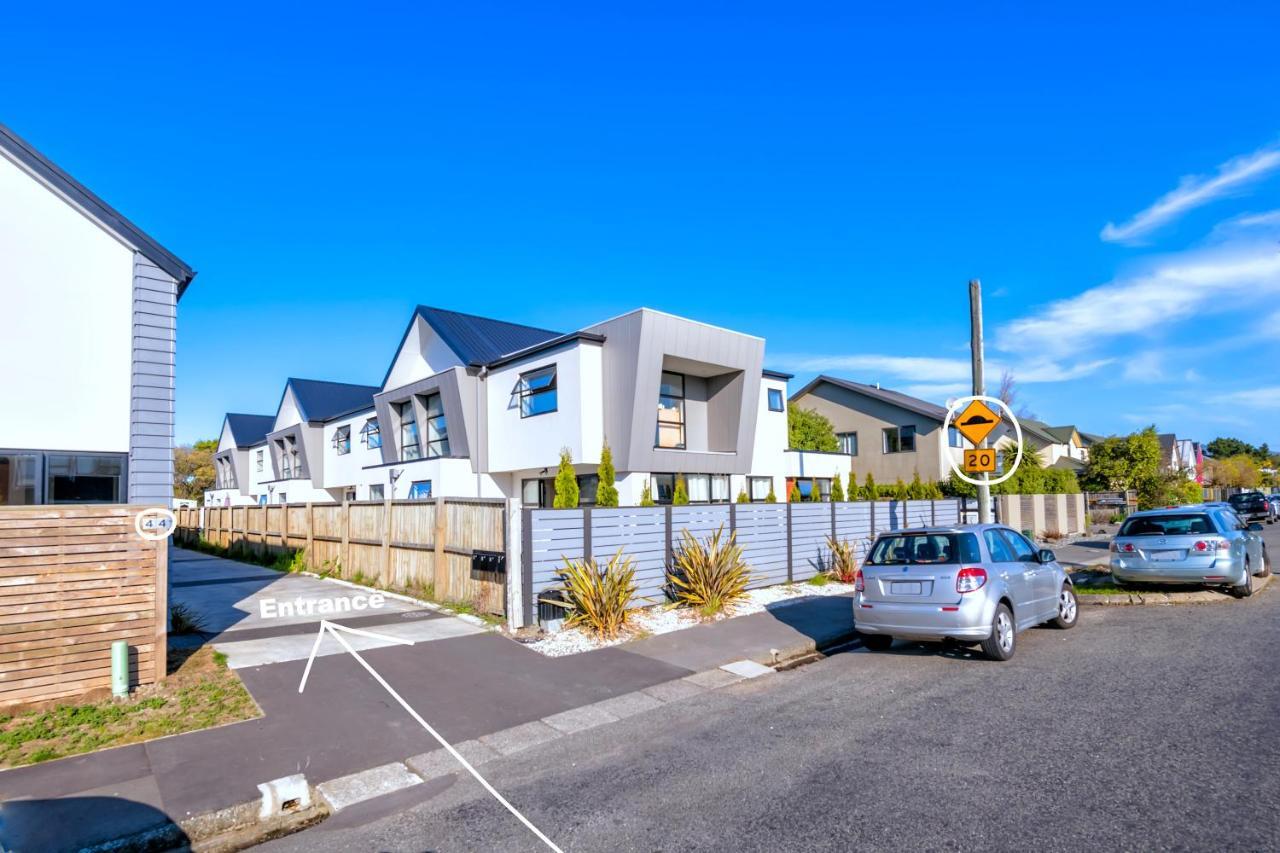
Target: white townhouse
476,407
87,354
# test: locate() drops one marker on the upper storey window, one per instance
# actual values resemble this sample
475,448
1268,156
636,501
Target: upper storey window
670,431
537,391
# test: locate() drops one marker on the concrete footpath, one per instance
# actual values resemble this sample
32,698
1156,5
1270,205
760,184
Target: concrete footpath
467,682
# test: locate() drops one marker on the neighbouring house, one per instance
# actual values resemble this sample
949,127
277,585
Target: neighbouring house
477,407
88,354
1057,447
237,462
885,433
1179,456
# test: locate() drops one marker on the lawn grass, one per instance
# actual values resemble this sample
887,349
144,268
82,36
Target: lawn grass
199,692
1105,589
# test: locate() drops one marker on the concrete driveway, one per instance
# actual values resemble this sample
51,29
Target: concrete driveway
229,599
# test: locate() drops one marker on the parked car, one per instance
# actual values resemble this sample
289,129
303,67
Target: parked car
1251,506
1197,544
976,583
1274,500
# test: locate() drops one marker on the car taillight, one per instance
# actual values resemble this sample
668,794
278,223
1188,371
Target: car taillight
859,585
970,579
1126,547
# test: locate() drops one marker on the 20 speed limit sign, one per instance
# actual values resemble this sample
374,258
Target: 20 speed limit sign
982,460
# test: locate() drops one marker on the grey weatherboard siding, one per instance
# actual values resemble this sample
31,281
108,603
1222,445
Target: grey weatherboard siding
155,311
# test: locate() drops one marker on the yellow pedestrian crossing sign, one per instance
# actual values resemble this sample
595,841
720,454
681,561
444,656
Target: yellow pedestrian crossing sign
977,421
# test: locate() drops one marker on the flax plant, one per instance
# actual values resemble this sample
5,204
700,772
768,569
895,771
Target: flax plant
597,598
709,575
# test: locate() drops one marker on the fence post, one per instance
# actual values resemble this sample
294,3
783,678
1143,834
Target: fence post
386,541
733,518
872,504
344,555
284,527
933,513
440,573
311,526
160,647
516,590
670,551
586,533
833,521
790,571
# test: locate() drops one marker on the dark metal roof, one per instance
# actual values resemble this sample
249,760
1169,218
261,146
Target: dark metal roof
545,346
893,398
777,374
480,340
248,430
81,195
323,401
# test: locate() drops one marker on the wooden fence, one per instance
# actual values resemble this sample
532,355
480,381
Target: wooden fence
455,546
72,581
781,542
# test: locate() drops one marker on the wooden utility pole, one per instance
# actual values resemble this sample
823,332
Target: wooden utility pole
979,385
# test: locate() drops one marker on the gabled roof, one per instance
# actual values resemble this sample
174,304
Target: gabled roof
1062,433
1069,463
46,170
893,398
1040,431
1091,438
323,401
481,340
248,430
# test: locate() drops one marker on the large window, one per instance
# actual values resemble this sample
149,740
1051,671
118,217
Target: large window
286,461
848,442
758,488
775,400
420,490
437,428
290,459
537,391
370,434
19,478
670,432
701,488
376,492
261,453
900,439
410,447
342,440
83,479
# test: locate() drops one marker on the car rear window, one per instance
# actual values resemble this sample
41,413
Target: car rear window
1245,500
911,548
1174,524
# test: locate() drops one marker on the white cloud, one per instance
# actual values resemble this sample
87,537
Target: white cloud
1149,302
1253,398
1145,367
1194,191
932,378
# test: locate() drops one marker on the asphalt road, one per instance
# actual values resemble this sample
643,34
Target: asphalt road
1150,728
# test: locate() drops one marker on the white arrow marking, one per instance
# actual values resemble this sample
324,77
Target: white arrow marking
334,629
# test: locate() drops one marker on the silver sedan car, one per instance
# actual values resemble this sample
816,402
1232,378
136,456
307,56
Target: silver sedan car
1199,544
976,583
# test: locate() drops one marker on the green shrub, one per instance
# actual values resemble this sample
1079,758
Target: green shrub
646,496
837,490
597,599
855,493
844,560
566,496
184,620
771,498
820,579
606,490
709,575
794,496
743,498
871,491
680,497
915,491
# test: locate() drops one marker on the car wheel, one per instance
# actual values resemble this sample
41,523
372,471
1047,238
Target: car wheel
876,642
1068,608
1266,565
1003,640
1245,589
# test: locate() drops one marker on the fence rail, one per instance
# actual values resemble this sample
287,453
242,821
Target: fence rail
72,581
447,544
781,542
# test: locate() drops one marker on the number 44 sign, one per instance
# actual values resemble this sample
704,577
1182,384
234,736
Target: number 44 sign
980,461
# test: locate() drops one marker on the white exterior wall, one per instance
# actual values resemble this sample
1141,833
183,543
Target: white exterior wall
346,470
807,464
71,283
516,443
769,456
449,478
422,355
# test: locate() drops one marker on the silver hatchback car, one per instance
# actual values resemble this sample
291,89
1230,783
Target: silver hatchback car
976,583
1199,544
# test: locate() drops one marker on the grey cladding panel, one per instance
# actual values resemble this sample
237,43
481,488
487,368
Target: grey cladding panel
151,416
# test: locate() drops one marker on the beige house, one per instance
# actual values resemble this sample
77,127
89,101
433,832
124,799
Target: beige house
1058,447
888,434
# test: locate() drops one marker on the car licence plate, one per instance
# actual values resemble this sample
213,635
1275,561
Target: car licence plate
1168,556
905,588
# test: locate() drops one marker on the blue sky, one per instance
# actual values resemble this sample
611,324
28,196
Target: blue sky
824,177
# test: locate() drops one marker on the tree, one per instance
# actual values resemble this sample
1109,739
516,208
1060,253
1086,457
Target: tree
1241,471
566,496
646,495
916,491
606,491
193,472
1008,395
1119,463
855,493
871,491
743,498
808,430
771,498
898,492
680,497
794,496
837,490
1223,448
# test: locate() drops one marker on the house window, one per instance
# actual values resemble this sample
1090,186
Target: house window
537,392
376,493
806,489
587,485
409,446
900,439
848,442
284,499
699,488
758,488
262,500
260,455
824,488
953,437
370,435
775,400
19,477
664,488
420,490
437,428
291,447
670,432
349,495
720,489
342,440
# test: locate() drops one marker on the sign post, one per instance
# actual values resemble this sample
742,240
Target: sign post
979,387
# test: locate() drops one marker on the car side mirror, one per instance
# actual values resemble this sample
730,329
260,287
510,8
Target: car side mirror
1254,527
1046,556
